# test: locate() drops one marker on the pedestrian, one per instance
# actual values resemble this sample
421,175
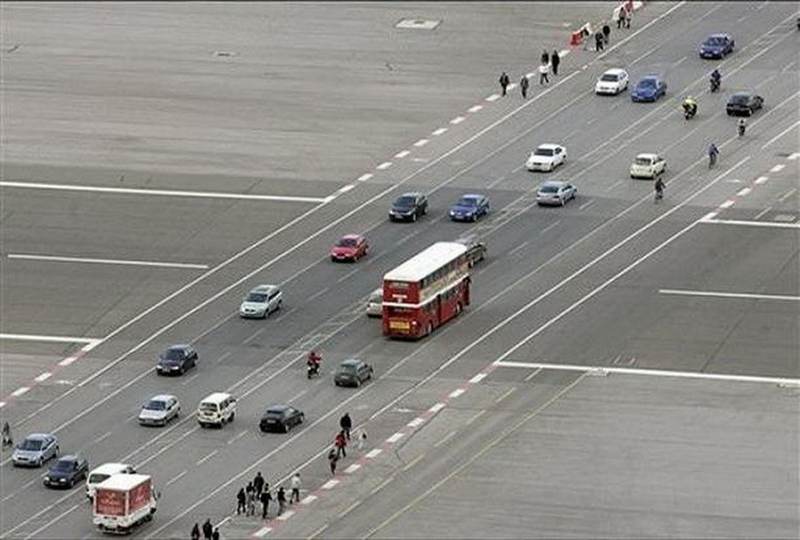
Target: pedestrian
362,439
281,500
598,41
251,503
266,497
623,14
332,459
545,57
340,442
606,32
215,534
295,484
208,528
628,15
241,502
504,82
249,488
258,484
196,531
555,60
523,86
543,70
346,424
8,440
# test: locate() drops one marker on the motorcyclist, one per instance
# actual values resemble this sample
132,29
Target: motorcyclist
716,79
689,106
742,125
713,152
313,362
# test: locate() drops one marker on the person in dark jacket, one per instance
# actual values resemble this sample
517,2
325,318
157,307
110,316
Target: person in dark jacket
523,86
208,528
598,41
554,61
266,497
346,424
258,484
215,534
241,502
504,81
281,500
545,59
606,32
332,459
196,532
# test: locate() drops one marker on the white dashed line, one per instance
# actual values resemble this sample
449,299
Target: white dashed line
439,131
778,168
372,454
457,120
262,532
394,438
475,108
793,156
762,180
421,142
384,165
727,204
364,177
309,499
345,189
43,377
84,260
67,361
416,422
586,205
402,154
744,191
436,408
286,515
2,404
19,391
512,86
478,378
709,216
530,75
352,468
330,484
493,97
788,194
563,52
457,392
175,479
204,459
763,212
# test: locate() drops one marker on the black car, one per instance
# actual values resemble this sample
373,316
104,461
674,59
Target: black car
352,372
744,103
476,248
176,360
66,472
281,418
409,206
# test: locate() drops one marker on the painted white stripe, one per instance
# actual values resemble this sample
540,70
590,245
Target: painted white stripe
345,189
776,225
781,134
54,258
493,97
161,192
530,75
262,532
364,177
416,422
43,377
204,459
19,391
383,166
309,499
511,86
709,216
763,213
436,408
89,346
67,361
457,120
286,515
2,404
563,52
478,378
457,392
52,339
439,131
744,191
330,484
352,468
374,453
394,438
793,156
402,154
652,372
421,142
787,194
475,108
761,180
716,294
778,168
727,204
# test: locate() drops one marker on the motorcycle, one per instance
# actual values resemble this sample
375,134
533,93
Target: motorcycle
689,111
742,128
715,85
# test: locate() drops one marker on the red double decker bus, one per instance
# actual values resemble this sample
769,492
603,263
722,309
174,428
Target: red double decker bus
426,291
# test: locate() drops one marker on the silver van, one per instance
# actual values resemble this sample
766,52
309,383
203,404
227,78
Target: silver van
261,301
375,303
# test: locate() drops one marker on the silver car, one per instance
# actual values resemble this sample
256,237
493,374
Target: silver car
375,303
35,450
261,301
555,193
159,410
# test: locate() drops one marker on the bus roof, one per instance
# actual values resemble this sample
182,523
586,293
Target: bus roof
426,262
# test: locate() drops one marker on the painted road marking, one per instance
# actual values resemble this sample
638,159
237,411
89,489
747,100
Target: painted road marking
475,417
493,97
455,393
394,438
475,108
262,532
752,223
344,189
175,478
505,395
744,191
793,156
717,294
352,468
209,456
364,177
286,515
67,361
439,131
457,120
778,168
788,194
402,154
781,134
53,339
416,422
374,453
330,484
761,180
162,192
436,408
727,204
446,438
477,378
43,377
762,213
421,142
54,258
19,391
383,166
309,499
2,404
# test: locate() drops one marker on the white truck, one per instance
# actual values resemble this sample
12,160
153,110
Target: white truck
122,502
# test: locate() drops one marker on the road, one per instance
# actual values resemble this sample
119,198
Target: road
626,368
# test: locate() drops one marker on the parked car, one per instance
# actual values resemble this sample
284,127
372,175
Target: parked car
176,360
470,207
159,410
66,472
375,303
648,166
352,372
476,248
744,103
281,418
555,193
649,88
349,247
261,302
546,157
613,81
409,206
716,46
35,450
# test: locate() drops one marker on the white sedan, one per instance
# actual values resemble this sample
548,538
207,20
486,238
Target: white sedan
546,158
612,82
648,166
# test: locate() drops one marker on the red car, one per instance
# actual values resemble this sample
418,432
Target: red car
350,247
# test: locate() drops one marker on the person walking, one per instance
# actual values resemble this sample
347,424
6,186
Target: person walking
215,534
8,440
628,15
258,485
606,32
523,86
544,69
266,497
659,187
621,12
545,59
241,502
208,528
196,531
295,485
333,457
598,41
362,439
281,500
251,503
504,82
346,424
555,60
341,443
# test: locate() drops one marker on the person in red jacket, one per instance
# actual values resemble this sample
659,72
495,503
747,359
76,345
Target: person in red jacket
340,442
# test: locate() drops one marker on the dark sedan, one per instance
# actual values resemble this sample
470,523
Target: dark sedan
176,360
352,372
744,103
66,472
281,418
409,207
469,207
716,46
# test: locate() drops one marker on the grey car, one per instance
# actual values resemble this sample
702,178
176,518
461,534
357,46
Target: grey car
555,193
476,248
261,301
159,410
352,372
35,450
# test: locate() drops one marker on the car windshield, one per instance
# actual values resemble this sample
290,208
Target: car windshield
643,161
467,201
276,413
715,40
544,152
256,297
64,465
346,242
97,478
609,77
156,405
549,189
647,83
173,354
347,368
740,98
208,407
32,444
405,201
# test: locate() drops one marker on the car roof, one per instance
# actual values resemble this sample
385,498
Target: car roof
549,146
110,468
426,261
614,71
468,239
70,457
163,397
650,76
721,34
216,397
556,183
263,288
351,237
40,436
410,194
351,362
278,408
179,346
748,94
471,196
647,155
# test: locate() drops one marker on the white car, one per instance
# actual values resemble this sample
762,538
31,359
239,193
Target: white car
103,473
613,81
648,166
159,410
546,157
261,301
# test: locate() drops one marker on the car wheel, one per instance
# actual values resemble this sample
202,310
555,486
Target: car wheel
233,415
302,418
429,329
563,201
286,428
414,217
458,308
39,463
358,382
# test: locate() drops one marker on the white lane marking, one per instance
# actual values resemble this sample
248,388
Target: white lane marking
352,468
67,361
224,356
318,294
787,194
533,374
477,378
43,377
347,275
330,484
515,169
518,248
651,372
204,459
286,515
793,156
236,437
446,438
439,132
505,395
402,154
762,180
52,339
677,62
263,531
511,86
102,437
20,391
161,192
727,204
308,499
773,224
421,143
297,396
455,393
54,520
493,97
364,177
549,227
416,422
437,407
615,184
762,213
375,452
716,294
781,134
345,189
175,478
475,108
586,205
744,191
778,168
530,75
394,438
475,417
457,120
55,258
254,335
563,52
383,166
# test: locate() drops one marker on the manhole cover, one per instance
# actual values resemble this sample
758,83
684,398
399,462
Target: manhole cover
418,24
785,218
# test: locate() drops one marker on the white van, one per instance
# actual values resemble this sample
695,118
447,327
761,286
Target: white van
104,472
375,303
216,410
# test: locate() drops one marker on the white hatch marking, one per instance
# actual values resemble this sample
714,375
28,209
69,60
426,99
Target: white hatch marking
457,120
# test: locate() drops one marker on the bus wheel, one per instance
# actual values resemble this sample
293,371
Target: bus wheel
429,329
458,308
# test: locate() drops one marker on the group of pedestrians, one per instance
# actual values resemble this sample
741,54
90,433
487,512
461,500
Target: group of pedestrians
548,64
342,439
209,531
258,492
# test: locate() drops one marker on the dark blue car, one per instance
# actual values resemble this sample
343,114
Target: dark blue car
716,46
649,88
469,207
